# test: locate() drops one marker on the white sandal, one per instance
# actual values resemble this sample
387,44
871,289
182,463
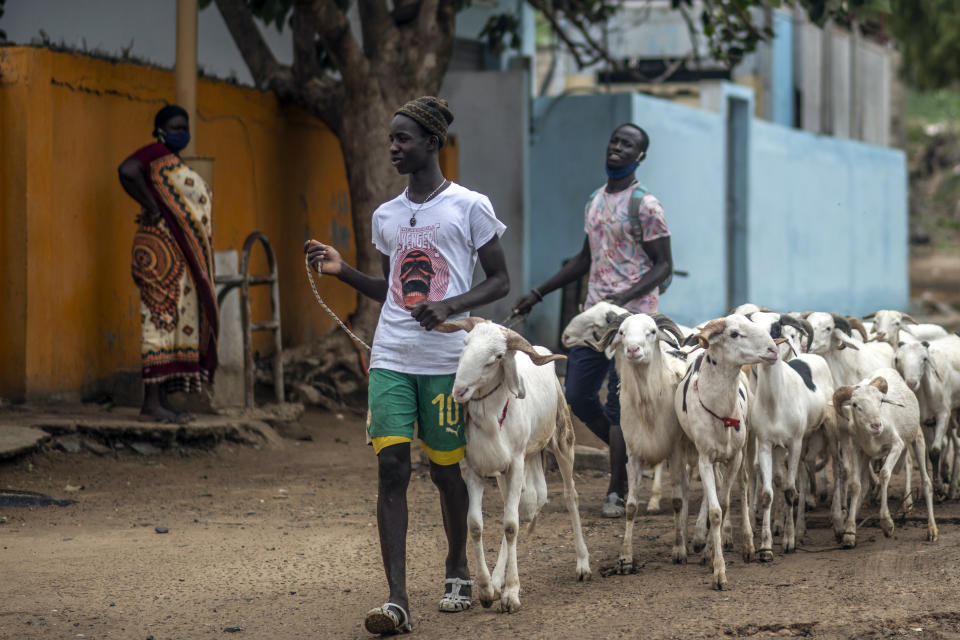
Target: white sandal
454,601
385,620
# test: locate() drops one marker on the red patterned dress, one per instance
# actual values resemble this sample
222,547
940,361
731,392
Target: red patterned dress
173,269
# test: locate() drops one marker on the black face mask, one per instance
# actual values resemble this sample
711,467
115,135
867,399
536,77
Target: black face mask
175,141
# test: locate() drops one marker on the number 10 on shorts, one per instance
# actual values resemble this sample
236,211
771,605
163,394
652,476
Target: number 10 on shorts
453,409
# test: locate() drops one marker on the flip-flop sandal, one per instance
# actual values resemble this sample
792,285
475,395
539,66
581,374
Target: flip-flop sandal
454,601
387,619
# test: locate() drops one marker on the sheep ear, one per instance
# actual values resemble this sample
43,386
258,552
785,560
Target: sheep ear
880,383
615,342
870,315
842,396
512,377
907,318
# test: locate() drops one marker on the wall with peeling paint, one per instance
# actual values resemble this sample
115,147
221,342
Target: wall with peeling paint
70,314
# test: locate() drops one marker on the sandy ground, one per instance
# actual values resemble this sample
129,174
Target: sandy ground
282,544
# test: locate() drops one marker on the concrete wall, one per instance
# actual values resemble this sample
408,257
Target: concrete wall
70,319
491,121
825,220
828,223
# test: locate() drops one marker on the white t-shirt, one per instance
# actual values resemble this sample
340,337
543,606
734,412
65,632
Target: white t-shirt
432,260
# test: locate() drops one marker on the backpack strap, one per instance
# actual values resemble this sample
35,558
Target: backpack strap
633,211
636,227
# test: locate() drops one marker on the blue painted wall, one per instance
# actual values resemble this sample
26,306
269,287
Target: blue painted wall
826,218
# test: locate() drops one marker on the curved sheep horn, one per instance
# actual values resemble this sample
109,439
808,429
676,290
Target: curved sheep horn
615,319
870,315
880,383
805,314
463,324
790,321
856,324
666,324
766,309
841,395
517,342
906,317
712,328
842,323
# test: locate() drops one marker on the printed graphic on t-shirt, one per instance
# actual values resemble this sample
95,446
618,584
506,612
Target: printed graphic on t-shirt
419,272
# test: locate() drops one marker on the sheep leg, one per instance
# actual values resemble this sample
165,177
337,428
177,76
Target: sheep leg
919,447
747,549
725,485
634,478
563,452
681,505
765,453
886,471
907,503
653,505
474,482
790,497
710,498
955,468
804,487
500,568
854,486
510,596
700,528
840,475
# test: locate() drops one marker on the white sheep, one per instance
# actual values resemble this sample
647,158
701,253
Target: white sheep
711,405
887,327
791,401
932,371
648,380
883,417
590,328
515,409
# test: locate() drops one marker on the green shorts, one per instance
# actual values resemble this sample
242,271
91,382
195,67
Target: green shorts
398,400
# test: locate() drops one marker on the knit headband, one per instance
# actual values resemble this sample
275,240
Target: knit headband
431,113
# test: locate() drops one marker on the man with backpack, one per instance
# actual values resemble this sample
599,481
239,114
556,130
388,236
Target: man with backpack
627,253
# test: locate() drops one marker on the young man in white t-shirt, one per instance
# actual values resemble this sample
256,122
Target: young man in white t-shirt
429,238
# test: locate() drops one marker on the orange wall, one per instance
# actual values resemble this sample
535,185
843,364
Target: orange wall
70,316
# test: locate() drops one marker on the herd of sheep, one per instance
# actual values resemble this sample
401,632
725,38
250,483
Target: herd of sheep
769,399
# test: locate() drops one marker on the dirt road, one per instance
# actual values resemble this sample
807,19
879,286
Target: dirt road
282,544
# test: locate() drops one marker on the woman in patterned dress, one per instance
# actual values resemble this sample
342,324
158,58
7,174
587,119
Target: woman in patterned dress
172,267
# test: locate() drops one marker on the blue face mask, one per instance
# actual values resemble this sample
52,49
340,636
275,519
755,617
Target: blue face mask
175,141
622,172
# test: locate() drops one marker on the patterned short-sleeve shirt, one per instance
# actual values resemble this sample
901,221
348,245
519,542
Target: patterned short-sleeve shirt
618,260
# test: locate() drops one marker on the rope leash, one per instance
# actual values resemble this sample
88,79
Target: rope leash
313,285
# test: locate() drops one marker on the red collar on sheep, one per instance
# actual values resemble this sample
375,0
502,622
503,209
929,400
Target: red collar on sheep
727,422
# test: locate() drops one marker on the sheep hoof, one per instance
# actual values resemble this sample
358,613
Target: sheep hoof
765,555
720,582
932,533
510,603
679,554
849,540
728,545
790,548
583,571
653,506
698,546
625,565
886,524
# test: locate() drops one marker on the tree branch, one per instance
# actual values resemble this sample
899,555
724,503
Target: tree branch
323,97
306,64
374,20
266,71
333,29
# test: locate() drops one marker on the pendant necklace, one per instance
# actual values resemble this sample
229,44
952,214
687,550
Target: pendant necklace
413,218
